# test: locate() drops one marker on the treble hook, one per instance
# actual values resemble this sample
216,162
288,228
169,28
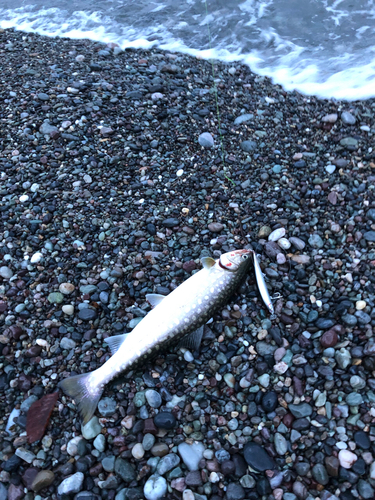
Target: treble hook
276,296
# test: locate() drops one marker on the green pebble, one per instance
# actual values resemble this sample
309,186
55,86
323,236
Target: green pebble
55,298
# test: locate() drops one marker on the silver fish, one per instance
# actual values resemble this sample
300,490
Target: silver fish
180,315
263,290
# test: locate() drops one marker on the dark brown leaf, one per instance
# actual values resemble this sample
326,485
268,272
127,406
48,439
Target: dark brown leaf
38,416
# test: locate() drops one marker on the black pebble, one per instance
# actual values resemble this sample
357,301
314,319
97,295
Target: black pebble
257,457
165,420
269,401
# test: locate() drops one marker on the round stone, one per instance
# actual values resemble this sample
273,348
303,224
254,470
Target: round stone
6,272
68,309
320,474
362,440
329,339
165,420
269,401
153,398
66,288
55,298
138,451
206,140
107,407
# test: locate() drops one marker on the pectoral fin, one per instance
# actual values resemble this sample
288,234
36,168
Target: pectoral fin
115,342
208,262
193,340
154,298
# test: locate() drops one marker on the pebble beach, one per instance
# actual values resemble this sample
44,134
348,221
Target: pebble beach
117,175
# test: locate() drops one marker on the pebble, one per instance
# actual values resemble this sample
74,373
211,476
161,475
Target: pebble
257,457
347,118
281,444
206,140
6,272
155,487
319,473
68,309
43,479
91,429
347,458
72,484
301,410
138,451
107,407
165,420
277,234
153,398
191,454
315,241
167,463
297,243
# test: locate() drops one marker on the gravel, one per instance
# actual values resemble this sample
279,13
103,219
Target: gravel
113,187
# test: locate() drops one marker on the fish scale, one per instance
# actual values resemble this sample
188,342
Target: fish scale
177,315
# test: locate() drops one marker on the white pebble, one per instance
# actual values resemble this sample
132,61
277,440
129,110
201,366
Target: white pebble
66,288
156,96
214,477
188,495
284,243
34,188
188,356
179,172
155,487
80,58
330,169
347,458
23,198
280,367
281,259
277,234
360,304
37,257
138,451
68,309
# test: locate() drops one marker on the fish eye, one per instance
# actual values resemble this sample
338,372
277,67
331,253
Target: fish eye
245,256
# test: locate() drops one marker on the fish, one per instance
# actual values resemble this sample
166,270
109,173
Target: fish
176,319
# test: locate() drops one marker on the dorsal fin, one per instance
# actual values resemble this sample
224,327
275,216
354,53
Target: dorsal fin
115,342
154,298
193,340
208,262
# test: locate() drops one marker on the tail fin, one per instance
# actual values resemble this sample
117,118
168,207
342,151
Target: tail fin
84,393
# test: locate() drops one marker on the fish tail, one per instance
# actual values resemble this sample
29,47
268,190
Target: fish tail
85,392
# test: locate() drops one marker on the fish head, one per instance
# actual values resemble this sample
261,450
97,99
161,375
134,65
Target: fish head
236,260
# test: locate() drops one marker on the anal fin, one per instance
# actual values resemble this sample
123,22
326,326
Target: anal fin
193,340
115,342
154,298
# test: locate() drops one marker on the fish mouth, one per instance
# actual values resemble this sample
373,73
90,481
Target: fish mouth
239,252
230,259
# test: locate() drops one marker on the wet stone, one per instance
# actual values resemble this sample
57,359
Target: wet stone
257,457
153,398
87,314
167,463
235,492
125,470
362,440
107,407
269,401
301,410
193,479
165,420
320,474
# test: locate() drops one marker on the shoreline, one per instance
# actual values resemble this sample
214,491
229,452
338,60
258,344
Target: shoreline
111,191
